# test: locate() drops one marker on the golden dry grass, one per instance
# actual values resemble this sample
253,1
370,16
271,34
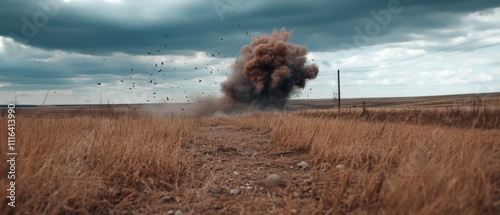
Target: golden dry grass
94,165
394,168
117,163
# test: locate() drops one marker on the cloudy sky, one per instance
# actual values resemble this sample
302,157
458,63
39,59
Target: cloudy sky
58,50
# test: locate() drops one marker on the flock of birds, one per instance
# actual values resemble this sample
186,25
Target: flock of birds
161,69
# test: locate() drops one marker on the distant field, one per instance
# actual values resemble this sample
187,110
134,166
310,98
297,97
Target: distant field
490,100
459,100
426,155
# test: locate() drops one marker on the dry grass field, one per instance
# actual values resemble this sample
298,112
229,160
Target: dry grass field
399,159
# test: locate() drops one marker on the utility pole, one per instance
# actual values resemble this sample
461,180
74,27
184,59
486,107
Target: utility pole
338,84
100,93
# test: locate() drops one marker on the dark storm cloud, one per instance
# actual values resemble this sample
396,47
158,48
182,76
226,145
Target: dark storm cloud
79,28
21,76
100,28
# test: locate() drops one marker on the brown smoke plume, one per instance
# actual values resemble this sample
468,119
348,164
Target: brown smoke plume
268,72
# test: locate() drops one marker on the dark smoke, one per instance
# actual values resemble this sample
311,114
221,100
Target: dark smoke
269,70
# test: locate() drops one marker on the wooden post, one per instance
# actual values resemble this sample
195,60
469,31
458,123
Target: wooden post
364,107
338,83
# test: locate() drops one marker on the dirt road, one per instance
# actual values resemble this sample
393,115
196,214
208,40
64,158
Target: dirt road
227,158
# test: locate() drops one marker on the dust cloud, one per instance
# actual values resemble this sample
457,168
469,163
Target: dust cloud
267,73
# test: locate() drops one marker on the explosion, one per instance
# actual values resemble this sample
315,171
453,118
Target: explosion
269,70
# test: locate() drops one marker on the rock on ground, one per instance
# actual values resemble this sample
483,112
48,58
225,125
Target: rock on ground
273,180
234,192
303,164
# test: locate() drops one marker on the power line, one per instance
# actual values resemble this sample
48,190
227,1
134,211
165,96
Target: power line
420,56
448,55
